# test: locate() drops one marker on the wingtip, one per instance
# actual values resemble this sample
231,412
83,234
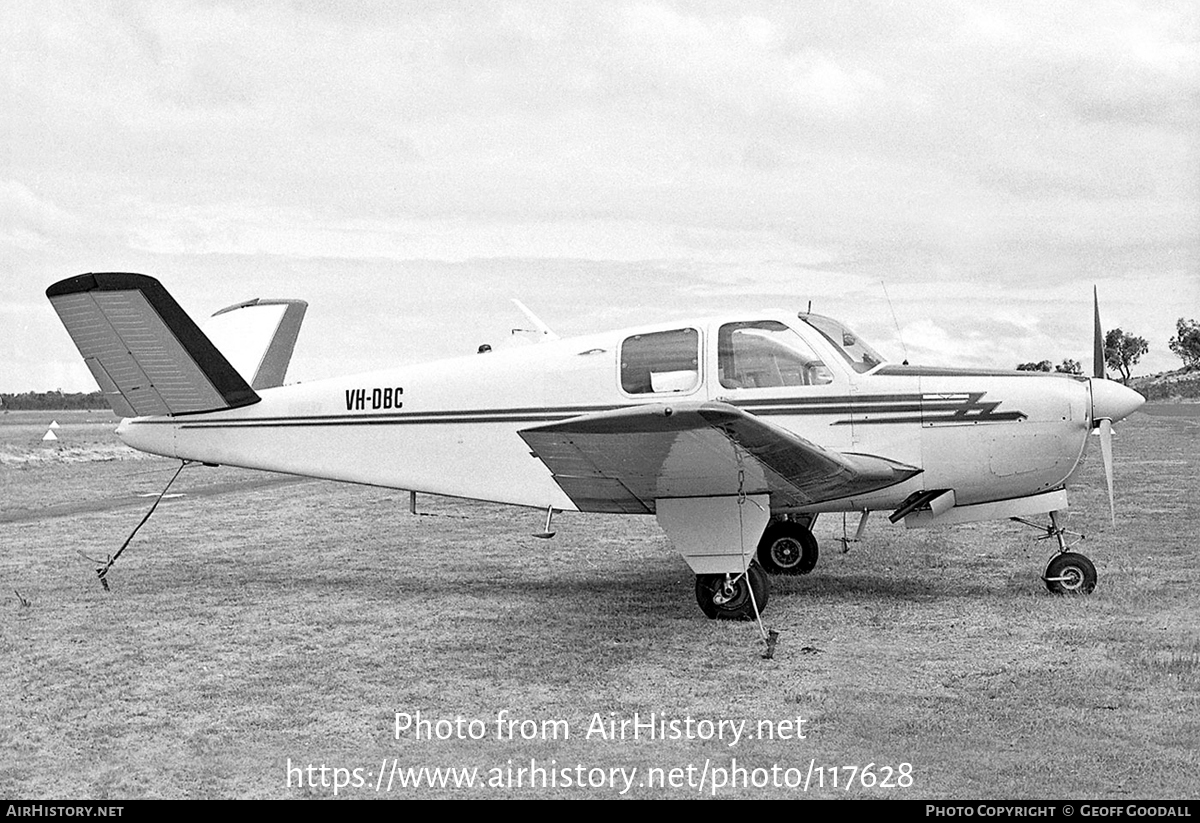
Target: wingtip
104,281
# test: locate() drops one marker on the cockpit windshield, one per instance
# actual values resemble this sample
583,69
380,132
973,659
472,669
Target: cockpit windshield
860,356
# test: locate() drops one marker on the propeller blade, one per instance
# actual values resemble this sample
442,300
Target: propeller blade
1098,340
1106,433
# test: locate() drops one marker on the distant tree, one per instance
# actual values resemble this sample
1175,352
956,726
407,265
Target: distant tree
1186,342
1041,365
1069,366
1122,351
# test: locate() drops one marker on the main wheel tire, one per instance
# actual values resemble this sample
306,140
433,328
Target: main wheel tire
787,548
719,602
1070,573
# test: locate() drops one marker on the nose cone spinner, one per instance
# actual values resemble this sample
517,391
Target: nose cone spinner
1113,401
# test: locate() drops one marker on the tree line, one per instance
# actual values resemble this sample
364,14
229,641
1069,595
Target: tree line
1122,351
52,400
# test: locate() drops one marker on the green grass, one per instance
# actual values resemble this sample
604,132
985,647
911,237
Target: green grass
249,624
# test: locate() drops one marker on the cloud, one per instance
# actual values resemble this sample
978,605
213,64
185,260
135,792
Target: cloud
28,221
1117,63
697,155
258,228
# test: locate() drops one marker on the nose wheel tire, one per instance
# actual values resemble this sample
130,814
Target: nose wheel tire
727,596
787,547
1070,573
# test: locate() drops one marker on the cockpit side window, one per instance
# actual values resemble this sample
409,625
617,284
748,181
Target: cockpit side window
766,353
666,361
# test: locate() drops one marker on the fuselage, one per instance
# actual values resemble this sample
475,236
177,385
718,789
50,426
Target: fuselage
450,426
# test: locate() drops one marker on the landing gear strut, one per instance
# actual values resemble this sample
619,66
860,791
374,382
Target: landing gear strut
1068,572
788,546
728,596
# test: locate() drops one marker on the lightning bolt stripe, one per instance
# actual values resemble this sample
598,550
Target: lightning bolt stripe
967,407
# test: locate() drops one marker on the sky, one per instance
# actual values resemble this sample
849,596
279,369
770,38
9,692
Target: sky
949,178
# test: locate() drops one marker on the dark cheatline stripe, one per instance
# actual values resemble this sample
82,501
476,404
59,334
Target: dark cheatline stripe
401,418
872,410
1004,417
415,419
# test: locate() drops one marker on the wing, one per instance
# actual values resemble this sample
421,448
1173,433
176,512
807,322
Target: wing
623,460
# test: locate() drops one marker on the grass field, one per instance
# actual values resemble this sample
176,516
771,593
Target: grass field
258,622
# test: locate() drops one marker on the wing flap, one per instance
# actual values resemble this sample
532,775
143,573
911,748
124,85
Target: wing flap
624,460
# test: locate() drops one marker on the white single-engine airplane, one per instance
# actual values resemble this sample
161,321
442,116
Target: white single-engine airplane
735,431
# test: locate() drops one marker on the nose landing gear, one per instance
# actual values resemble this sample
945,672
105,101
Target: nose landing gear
1068,572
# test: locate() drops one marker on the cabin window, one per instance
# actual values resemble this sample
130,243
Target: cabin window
765,354
665,361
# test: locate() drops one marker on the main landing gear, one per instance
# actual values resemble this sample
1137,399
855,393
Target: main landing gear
728,596
788,545
1068,572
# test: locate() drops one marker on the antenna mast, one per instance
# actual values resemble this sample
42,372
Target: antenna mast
894,320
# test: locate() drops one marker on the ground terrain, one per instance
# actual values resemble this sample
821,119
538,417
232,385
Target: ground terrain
258,622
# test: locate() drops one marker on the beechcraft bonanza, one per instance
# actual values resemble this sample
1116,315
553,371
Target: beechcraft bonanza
736,432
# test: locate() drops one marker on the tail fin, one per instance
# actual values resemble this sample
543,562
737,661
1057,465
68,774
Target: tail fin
146,354
258,338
